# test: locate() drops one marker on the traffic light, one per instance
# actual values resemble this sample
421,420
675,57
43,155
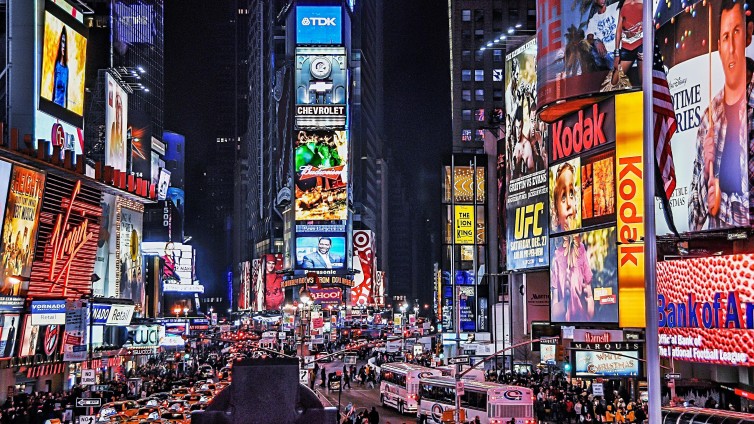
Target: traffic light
559,353
567,368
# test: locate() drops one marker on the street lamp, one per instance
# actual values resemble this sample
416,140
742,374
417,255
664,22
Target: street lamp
177,311
403,327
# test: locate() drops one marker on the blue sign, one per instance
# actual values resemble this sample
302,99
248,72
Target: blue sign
319,25
47,312
100,313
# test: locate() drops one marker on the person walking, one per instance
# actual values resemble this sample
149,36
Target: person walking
346,380
322,372
374,416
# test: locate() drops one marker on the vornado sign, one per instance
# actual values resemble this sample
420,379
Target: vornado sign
582,131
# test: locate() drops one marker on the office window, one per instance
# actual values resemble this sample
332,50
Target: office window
479,75
479,56
479,16
480,115
466,114
497,55
479,95
497,95
465,75
513,14
466,55
466,15
465,135
479,135
466,95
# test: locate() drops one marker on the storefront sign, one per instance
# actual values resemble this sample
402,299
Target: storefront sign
464,224
45,312
609,346
112,315
598,364
596,336
143,336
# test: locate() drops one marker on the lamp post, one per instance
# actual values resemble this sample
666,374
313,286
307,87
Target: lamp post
403,327
305,297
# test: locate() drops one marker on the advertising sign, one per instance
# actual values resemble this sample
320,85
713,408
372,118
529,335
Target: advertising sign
60,133
467,303
9,336
604,364
464,224
19,233
128,266
45,312
68,235
537,297
75,338
138,336
256,289
326,295
707,79
105,286
321,87
321,175
140,126
325,252
61,81
319,25
547,353
272,286
116,119
705,309
174,332
579,47
630,216
244,289
584,278
363,259
29,338
134,23
597,336
526,159
5,168
178,269
163,184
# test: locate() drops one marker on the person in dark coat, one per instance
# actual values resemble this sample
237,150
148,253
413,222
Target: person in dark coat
374,416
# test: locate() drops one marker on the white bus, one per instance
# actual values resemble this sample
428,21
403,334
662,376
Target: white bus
493,403
399,385
450,371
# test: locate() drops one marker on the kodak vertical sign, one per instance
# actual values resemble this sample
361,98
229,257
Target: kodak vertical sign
464,224
630,214
583,131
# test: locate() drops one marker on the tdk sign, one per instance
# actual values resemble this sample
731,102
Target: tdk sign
319,25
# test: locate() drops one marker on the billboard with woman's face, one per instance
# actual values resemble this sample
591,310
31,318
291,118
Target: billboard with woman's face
586,48
61,85
116,127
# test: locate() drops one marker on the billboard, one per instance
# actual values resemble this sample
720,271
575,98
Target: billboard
321,87
244,274
321,252
9,334
584,277
274,296
29,338
19,231
464,225
705,309
68,234
140,126
319,25
116,118
363,260
133,22
526,157
326,295
49,341
105,286
163,184
606,364
256,289
178,269
321,178
537,297
61,81
707,79
44,312
129,260
586,49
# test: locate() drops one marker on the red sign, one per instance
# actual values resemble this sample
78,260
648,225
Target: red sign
363,251
68,232
583,131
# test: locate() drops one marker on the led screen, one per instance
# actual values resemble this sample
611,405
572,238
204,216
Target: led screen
705,309
321,175
61,86
598,364
116,118
130,267
319,25
324,252
321,87
707,77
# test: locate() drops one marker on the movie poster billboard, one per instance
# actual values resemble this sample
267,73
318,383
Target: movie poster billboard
586,48
9,334
363,260
706,61
116,125
526,156
321,178
321,87
129,265
244,290
584,277
274,296
29,338
705,307
19,231
61,80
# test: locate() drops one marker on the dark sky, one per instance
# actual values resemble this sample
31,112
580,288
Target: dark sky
417,91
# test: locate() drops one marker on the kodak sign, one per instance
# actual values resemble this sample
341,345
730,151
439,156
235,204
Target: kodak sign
629,162
582,131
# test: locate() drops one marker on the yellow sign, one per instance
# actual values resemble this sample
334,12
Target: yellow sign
464,224
630,216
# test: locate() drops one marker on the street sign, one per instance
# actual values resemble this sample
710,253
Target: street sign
309,361
464,360
86,419
88,402
88,378
303,376
349,359
281,335
673,376
459,387
598,389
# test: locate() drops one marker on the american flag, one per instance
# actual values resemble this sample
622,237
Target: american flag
664,123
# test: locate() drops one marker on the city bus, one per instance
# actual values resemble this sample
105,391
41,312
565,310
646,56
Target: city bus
399,385
450,371
493,403
675,415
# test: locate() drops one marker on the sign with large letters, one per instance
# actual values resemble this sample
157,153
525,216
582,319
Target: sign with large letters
464,224
585,130
321,87
46,312
326,295
319,25
140,336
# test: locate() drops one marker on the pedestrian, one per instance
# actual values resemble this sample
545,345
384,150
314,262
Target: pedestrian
346,380
374,416
323,376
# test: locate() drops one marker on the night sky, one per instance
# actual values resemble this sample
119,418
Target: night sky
417,95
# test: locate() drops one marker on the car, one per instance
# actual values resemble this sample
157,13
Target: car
177,405
199,406
224,373
179,392
160,396
124,407
206,371
175,418
194,398
148,412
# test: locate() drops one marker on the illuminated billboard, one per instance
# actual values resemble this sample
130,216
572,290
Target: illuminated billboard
321,178
705,309
272,286
19,232
67,242
140,127
256,287
61,85
363,260
584,277
526,157
321,252
244,274
319,25
707,78
129,267
116,118
321,87
606,364
587,49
